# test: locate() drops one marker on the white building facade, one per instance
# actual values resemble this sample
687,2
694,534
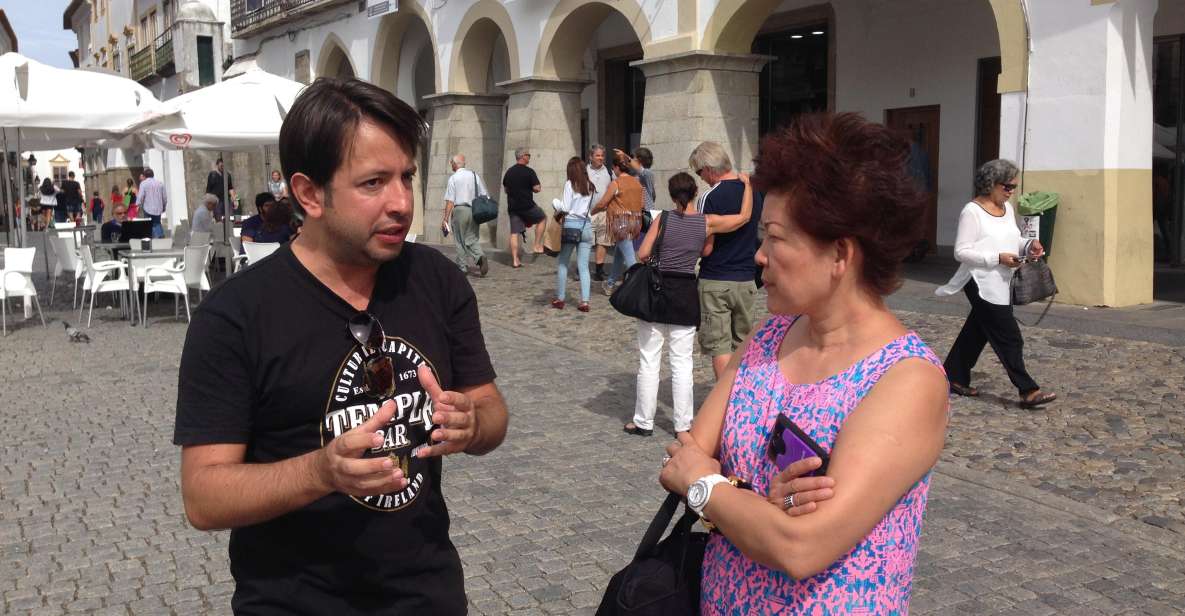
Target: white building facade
170,47
1063,87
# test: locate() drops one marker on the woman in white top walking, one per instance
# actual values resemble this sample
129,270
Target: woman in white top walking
988,246
574,206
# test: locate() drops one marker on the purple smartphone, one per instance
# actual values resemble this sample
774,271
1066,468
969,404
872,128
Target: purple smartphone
789,444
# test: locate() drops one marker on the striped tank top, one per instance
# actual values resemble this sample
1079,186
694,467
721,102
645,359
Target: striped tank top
683,237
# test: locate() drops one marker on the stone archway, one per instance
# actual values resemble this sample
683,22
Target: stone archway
569,31
476,39
734,23
334,61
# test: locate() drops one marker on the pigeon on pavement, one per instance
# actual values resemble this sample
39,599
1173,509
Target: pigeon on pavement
75,335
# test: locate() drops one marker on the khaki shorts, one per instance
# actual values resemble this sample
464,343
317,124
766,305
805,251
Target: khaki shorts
726,314
601,236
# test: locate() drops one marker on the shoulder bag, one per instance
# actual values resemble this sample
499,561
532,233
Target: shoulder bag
640,293
483,207
664,576
1033,282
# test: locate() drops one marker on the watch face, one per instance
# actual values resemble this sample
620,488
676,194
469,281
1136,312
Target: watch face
697,494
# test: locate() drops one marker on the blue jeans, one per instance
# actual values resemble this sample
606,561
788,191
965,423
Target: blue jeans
582,249
623,259
157,230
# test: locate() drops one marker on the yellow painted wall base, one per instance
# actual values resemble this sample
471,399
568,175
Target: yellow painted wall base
1102,243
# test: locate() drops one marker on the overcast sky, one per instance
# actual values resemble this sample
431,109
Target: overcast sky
39,32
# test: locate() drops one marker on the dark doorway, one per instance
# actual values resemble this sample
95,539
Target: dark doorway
624,97
796,80
1168,148
987,112
921,126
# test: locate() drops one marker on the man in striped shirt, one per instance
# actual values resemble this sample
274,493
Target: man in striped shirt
152,199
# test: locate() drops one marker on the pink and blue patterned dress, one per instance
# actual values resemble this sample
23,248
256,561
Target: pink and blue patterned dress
876,576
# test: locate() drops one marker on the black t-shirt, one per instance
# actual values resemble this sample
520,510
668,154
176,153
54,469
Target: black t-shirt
214,184
110,231
71,194
519,182
268,362
732,254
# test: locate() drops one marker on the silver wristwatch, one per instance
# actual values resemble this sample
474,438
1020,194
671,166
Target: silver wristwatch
701,490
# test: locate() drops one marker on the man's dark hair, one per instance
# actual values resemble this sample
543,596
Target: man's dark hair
320,127
70,175
262,198
644,156
147,172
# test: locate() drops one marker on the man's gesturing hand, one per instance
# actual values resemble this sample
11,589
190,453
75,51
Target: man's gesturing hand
452,412
343,469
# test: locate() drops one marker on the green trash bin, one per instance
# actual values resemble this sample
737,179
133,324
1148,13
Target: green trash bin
1043,204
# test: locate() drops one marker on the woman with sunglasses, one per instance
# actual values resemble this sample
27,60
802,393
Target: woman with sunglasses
988,246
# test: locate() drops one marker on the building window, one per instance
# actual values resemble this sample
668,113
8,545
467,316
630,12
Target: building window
115,64
59,174
795,81
205,53
301,66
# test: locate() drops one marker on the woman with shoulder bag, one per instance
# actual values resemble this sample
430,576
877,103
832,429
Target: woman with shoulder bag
622,203
577,234
987,245
682,236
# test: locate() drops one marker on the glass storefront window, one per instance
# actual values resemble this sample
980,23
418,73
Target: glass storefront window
796,80
1168,148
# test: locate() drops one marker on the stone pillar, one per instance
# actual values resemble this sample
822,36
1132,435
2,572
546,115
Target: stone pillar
469,124
544,116
1088,137
699,96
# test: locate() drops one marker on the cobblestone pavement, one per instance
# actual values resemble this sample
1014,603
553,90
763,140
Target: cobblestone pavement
91,519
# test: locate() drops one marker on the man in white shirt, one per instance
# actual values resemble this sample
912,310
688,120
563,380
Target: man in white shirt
152,199
463,187
601,176
203,216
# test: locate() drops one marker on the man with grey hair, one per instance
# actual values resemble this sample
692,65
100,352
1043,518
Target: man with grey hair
203,215
727,284
600,175
463,187
521,183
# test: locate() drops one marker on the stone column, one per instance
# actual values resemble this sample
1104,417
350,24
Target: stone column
699,96
469,124
542,115
1087,135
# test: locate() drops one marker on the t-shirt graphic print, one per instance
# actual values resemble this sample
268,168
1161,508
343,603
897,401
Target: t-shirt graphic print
349,406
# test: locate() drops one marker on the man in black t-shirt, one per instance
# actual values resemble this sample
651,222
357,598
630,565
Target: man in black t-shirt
71,198
521,184
214,187
319,388
727,285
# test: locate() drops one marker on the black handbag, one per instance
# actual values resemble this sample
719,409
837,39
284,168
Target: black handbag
640,292
663,579
483,208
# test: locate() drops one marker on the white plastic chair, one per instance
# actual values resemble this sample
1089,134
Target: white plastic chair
199,238
16,280
259,250
66,256
177,280
98,281
240,259
162,243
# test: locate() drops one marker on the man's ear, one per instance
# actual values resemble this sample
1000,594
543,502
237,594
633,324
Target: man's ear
309,195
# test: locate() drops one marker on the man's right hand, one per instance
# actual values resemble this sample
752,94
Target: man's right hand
341,467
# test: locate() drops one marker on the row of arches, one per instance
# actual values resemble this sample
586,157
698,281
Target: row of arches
486,36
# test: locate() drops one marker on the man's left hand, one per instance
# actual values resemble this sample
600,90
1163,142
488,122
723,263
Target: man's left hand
452,413
688,463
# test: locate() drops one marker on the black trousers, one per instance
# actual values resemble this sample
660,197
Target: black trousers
994,324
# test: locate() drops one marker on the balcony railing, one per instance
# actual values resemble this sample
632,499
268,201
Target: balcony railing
163,51
141,64
249,15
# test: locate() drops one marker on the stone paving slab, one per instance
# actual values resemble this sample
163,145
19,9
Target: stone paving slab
91,519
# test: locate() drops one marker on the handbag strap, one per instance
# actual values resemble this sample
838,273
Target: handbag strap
1044,312
475,190
662,229
661,521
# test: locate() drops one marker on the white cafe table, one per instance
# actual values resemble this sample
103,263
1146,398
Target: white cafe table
140,260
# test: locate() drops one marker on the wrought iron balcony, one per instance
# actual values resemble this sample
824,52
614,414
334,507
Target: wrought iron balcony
250,16
142,65
163,52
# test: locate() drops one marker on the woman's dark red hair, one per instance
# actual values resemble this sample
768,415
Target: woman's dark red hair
846,177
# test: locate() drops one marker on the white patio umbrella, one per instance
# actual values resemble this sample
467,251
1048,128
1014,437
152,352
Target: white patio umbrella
39,108
244,112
